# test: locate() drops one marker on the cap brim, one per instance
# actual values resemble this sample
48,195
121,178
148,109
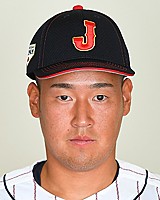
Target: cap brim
69,67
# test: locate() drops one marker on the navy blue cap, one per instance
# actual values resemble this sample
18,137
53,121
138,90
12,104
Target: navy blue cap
77,40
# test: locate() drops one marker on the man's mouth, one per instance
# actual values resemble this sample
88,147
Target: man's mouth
82,140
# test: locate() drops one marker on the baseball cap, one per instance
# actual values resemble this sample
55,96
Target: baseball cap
76,40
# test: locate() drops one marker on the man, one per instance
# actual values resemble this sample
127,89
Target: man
80,62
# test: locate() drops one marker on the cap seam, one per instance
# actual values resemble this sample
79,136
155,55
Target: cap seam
122,51
46,33
41,45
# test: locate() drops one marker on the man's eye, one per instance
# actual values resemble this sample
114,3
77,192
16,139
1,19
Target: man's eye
64,98
100,97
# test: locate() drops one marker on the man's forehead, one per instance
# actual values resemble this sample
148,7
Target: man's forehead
89,79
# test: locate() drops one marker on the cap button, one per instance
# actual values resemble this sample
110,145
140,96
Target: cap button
78,7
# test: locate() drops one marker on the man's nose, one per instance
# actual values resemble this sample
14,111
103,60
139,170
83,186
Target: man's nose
83,114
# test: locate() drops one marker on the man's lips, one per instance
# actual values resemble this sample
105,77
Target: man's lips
81,140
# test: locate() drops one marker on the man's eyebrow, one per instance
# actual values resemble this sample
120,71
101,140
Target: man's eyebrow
70,86
100,85
62,85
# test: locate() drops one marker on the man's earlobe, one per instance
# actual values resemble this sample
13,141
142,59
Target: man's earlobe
33,93
127,90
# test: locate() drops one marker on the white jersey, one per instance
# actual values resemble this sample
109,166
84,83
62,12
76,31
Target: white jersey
131,183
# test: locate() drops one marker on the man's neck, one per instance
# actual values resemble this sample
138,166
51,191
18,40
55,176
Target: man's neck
69,184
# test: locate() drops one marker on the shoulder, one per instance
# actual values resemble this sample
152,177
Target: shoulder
20,184
21,178
137,173
17,176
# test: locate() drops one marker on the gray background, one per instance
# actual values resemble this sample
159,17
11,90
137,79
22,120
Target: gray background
21,141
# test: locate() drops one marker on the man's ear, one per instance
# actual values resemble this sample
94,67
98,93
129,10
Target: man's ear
126,91
34,94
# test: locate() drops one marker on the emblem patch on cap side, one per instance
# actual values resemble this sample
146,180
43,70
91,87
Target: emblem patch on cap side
87,43
31,52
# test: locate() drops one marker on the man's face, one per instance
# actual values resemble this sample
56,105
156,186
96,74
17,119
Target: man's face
80,115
